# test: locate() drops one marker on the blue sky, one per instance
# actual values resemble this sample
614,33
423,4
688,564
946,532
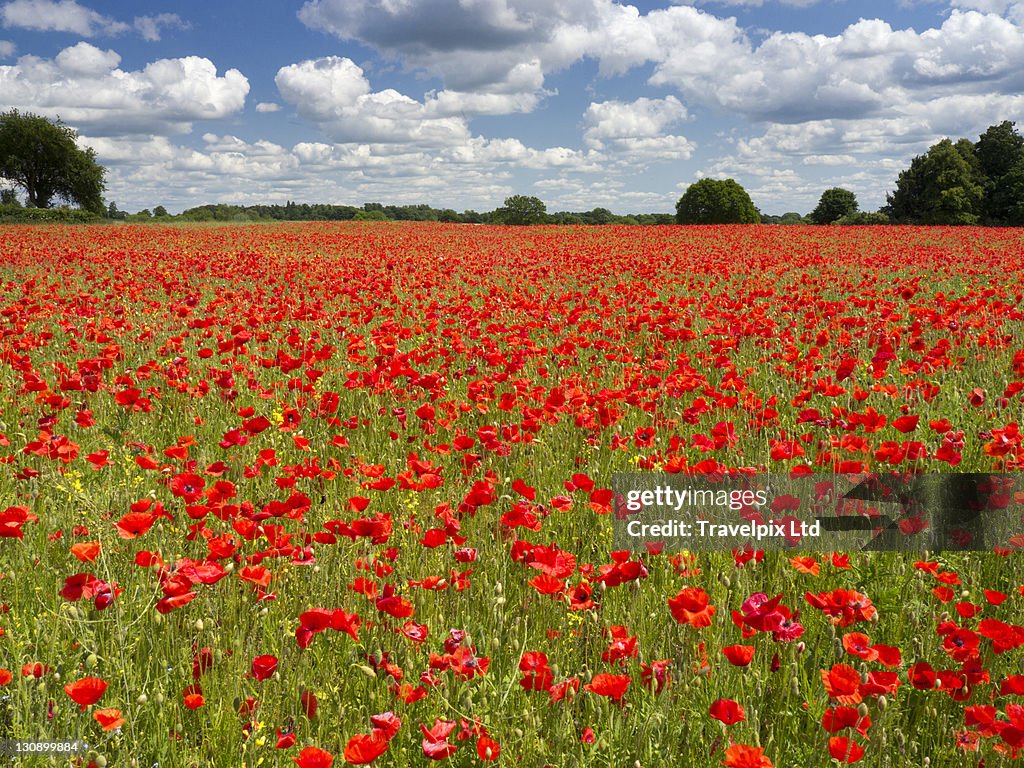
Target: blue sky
459,103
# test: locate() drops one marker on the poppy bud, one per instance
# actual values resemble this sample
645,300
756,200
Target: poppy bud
883,703
862,709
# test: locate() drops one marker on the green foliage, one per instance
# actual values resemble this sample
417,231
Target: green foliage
940,187
1007,197
160,211
9,197
17,214
1000,150
521,210
42,158
375,215
863,217
835,203
713,201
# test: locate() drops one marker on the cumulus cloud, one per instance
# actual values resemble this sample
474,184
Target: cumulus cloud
333,93
268,106
637,130
149,171
151,27
7,49
70,16
85,87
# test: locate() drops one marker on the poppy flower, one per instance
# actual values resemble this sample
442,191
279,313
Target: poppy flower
691,607
309,704
192,696
744,756
612,686
487,749
314,757
86,551
845,750
842,683
86,691
435,740
727,710
365,748
739,655
285,740
263,667
109,719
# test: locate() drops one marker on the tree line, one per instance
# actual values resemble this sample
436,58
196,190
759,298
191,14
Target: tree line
953,183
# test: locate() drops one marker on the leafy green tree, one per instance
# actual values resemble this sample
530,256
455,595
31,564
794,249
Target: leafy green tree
939,187
714,201
160,211
10,198
834,204
999,150
1007,197
43,158
521,210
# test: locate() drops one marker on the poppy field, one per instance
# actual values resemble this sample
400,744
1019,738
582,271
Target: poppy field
332,494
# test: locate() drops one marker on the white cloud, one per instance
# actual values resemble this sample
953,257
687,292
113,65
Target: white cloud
59,16
637,130
268,106
149,171
333,93
84,86
69,16
150,27
621,120
7,49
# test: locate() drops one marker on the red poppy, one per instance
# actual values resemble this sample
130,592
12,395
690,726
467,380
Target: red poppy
314,757
612,686
365,748
263,667
691,607
727,710
845,750
435,740
744,756
193,696
309,704
109,719
842,683
86,691
739,655
487,749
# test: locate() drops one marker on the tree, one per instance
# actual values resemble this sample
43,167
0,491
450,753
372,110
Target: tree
939,187
713,201
42,158
9,197
999,150
1007,197
160,211
834,204
521,210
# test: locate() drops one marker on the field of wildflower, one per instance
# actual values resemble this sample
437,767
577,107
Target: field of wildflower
340,494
